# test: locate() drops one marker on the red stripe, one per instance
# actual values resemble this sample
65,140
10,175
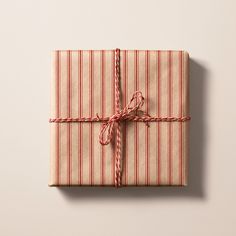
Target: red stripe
69,115
180,115
101,177
101,90
136,134
58,65
91,108
125,124
159,115
92,113
170,114
103,112
79,115
126,99
113,110
147,176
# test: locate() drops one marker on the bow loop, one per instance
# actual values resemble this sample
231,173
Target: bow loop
107,128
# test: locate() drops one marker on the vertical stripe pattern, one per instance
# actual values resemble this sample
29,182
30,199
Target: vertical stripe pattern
83,86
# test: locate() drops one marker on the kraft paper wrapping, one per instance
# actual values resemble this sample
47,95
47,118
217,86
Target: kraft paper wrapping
83,86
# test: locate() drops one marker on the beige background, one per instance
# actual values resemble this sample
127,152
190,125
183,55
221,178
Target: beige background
30,30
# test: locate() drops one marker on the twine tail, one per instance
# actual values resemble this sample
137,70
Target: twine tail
118,156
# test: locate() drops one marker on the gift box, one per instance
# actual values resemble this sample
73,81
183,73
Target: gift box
119,118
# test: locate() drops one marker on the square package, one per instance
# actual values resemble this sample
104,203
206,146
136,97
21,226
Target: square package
119,118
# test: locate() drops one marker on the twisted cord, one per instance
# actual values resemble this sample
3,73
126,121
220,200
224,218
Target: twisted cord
118,130
133,118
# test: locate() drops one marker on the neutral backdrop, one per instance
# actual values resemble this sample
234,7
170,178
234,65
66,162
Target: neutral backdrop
29,30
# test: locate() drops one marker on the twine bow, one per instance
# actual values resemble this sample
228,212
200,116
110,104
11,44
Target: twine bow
127,113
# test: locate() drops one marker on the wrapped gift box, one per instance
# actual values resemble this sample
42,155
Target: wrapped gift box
83,86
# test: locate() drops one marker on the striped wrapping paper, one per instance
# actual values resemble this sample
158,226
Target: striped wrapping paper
83,86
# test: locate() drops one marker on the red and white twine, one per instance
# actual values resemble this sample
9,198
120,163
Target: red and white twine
131,112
